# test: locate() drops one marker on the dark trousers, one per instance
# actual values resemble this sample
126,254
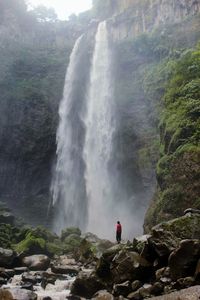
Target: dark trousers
118,236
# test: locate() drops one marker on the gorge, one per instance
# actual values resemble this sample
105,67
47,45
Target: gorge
147,42
99,123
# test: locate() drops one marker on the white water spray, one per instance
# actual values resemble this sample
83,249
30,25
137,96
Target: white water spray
64,187
99,133
86,186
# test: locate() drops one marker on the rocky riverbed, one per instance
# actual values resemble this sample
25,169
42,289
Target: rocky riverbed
164,264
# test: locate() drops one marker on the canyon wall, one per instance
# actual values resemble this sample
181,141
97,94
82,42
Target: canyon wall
131,18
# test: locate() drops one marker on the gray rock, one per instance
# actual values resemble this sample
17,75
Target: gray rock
163,272
36,262
141,243
145,290
183,261
27,277
10,272
122,289
191,211
17,294
3,280
134,296
20,270
186,282
166,237
7,257
186,294
157,288
129,265
68,270
86,285
136,285
103,295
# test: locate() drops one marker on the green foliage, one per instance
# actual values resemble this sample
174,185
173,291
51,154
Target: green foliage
31,245
178,169
44,14
8,235
70,231
72,243
38,240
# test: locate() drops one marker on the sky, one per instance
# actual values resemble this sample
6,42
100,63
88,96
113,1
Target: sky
64,8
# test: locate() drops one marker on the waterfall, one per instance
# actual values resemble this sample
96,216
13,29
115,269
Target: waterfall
99,134
66,184
88,190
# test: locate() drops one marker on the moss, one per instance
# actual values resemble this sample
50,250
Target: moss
184,227
178,169
72,243
171,200
68,231
56,248
31,245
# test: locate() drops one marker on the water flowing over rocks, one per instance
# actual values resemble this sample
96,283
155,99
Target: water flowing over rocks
157,264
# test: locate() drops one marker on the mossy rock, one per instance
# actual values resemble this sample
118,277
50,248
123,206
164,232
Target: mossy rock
71,243
68,231
85,251
8,235
166,237
55,248
31,245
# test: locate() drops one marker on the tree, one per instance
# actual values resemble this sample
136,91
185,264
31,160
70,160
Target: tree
44,14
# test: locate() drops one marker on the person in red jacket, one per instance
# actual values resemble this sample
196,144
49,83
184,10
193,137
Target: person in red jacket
118,232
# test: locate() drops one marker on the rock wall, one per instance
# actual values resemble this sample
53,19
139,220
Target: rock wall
131,18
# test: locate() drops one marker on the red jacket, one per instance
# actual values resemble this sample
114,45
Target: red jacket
119,228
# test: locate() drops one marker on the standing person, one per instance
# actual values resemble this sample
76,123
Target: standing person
118,231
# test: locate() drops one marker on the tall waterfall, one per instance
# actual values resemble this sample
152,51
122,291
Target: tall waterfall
88,190
99,134
67,195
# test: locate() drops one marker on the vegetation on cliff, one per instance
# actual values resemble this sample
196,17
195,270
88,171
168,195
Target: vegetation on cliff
178,168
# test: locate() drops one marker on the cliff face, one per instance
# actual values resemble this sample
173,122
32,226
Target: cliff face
157,93
131,18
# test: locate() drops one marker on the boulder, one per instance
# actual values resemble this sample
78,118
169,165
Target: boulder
99,245
191,293
163,272
136,285
68,270
6,257
134,296
68,231
145,291
183,260
140,243
157,288
103,265
36,262
17,294
86,285
20,270
3,280
122,289
166,237
27,277
103,295
185,282
129,265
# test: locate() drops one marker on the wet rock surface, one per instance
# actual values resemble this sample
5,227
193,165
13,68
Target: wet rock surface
158,264
161,263
36,262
